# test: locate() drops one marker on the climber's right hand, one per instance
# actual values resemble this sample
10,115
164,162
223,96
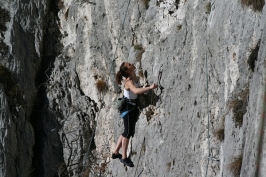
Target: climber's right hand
153,86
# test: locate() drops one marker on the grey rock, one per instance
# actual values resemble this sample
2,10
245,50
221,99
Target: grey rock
212,54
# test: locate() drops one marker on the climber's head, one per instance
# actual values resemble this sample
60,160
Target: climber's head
126,69
130,67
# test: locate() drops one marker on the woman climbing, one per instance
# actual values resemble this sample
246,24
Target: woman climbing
131,92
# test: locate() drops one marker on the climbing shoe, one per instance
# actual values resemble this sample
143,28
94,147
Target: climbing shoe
127,162
116,156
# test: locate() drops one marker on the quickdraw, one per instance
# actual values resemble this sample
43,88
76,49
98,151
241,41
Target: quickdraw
84,1
159,80
158,96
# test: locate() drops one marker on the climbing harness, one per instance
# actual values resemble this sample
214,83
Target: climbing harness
124,112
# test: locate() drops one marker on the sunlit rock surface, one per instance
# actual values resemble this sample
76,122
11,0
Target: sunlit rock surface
57,122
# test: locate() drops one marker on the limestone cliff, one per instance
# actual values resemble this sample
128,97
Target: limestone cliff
206,119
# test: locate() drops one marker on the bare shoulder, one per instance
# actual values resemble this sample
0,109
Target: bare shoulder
128,83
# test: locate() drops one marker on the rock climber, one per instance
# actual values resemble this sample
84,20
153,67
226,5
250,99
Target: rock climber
131,91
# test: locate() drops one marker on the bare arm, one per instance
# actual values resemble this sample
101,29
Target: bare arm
129,85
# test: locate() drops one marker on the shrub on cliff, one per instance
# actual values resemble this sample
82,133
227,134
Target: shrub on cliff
101,84
146,3
257,5
239,106
235,166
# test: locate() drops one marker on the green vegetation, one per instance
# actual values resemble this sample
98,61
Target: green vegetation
257,5
138,47
208,7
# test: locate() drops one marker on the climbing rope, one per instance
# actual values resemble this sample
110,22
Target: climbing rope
208,115
161,89
101,98
142,145
208,134
261,136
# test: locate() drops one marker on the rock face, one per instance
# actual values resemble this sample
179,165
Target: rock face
57,87
21,39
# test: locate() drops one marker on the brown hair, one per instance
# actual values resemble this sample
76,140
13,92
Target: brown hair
121,73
